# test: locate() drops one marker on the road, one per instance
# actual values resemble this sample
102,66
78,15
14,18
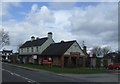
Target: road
15,74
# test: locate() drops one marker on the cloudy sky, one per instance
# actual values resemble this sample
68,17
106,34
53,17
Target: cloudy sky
96,23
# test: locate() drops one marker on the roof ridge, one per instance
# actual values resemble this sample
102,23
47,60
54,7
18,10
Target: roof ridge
38,39
36,42
64,42
57,48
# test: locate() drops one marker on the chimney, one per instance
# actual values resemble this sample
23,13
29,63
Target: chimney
32,38
62,41
49,35
37,38
85,49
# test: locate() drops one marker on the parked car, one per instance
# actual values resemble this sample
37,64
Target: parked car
6,60
3,60
9,60
114,66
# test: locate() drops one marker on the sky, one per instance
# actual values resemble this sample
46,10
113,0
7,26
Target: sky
95,23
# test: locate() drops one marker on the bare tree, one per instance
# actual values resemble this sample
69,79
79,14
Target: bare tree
4,38
98,51
18,46
105,50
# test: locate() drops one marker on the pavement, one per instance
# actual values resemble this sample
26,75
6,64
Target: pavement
105,77
25,74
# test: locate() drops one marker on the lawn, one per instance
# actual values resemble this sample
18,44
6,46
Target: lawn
79,70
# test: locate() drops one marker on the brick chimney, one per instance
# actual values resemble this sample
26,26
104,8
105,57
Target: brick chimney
85,49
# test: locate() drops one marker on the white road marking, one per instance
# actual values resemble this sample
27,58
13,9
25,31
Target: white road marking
29,80
12,73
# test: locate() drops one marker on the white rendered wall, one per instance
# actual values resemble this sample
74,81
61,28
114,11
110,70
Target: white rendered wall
74,48
40,48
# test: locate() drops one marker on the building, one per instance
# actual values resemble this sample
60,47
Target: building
103,61
112,58
45,50
0,55
65,54
6,54
15,57
31,50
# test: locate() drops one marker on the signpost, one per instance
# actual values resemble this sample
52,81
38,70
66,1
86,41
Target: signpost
35,59
47,61
34,56
76,54
91,61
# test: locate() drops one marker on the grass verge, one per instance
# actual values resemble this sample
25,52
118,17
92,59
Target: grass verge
78,70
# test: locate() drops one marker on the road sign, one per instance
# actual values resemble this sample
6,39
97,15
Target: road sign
91,54
34,56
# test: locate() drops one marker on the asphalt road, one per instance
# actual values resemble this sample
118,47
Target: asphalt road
13,74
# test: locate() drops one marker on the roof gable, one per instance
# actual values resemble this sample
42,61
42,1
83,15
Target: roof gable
37,42
75,48
57,48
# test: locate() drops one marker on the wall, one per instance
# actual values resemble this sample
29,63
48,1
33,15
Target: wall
45,45
40,48
74,48
56,61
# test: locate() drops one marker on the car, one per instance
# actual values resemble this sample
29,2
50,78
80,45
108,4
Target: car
3,60
6,60
114,66
9,60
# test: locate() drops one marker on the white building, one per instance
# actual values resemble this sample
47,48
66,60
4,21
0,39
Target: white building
32,49
62,54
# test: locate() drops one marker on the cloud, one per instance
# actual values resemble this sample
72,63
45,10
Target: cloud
12,0
60,1
96,25
61,5
5,7
34,7
42,15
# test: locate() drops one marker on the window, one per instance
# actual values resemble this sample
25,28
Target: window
75,45
37,48
32,49
21,50
9,53
27,49
5,54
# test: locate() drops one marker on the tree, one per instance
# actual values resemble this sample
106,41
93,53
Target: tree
105,50
18,46
98,51
4,38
